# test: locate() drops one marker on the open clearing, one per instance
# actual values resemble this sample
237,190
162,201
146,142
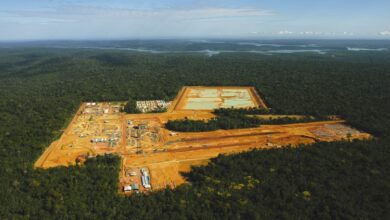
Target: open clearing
209,98
143,142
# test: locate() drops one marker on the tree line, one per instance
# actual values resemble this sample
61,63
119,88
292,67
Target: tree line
234,118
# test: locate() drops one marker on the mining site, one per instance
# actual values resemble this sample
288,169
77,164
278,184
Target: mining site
153,157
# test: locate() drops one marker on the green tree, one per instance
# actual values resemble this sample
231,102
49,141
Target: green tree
131,106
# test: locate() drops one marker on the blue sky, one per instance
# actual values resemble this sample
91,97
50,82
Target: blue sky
138,19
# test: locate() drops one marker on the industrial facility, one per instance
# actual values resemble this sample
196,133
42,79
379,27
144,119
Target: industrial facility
153,157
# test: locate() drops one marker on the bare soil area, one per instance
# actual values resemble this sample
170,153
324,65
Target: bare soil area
144,143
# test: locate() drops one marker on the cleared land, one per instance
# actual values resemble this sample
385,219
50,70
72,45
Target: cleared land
209,98
143,142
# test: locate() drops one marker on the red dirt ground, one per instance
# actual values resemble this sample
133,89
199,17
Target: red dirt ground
166,154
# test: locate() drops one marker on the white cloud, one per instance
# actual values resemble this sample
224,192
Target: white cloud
15,18
82,12
327,33
311,33
285,32
348,33
384,33
97,22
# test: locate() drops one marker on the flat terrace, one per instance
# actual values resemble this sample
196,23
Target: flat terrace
209,98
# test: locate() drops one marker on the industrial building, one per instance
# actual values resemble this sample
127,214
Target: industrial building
151,105
145,178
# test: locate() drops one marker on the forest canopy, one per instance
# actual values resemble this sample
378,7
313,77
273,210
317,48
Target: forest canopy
234,118
41,89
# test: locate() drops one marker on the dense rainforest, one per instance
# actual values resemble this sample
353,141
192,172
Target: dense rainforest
231,118
41,89
227,121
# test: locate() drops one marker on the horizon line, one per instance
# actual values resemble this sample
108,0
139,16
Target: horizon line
191,38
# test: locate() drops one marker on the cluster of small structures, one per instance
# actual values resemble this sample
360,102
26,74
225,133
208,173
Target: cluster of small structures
108,132
152,105
95,108
133,185
112,140
142,133
100,108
